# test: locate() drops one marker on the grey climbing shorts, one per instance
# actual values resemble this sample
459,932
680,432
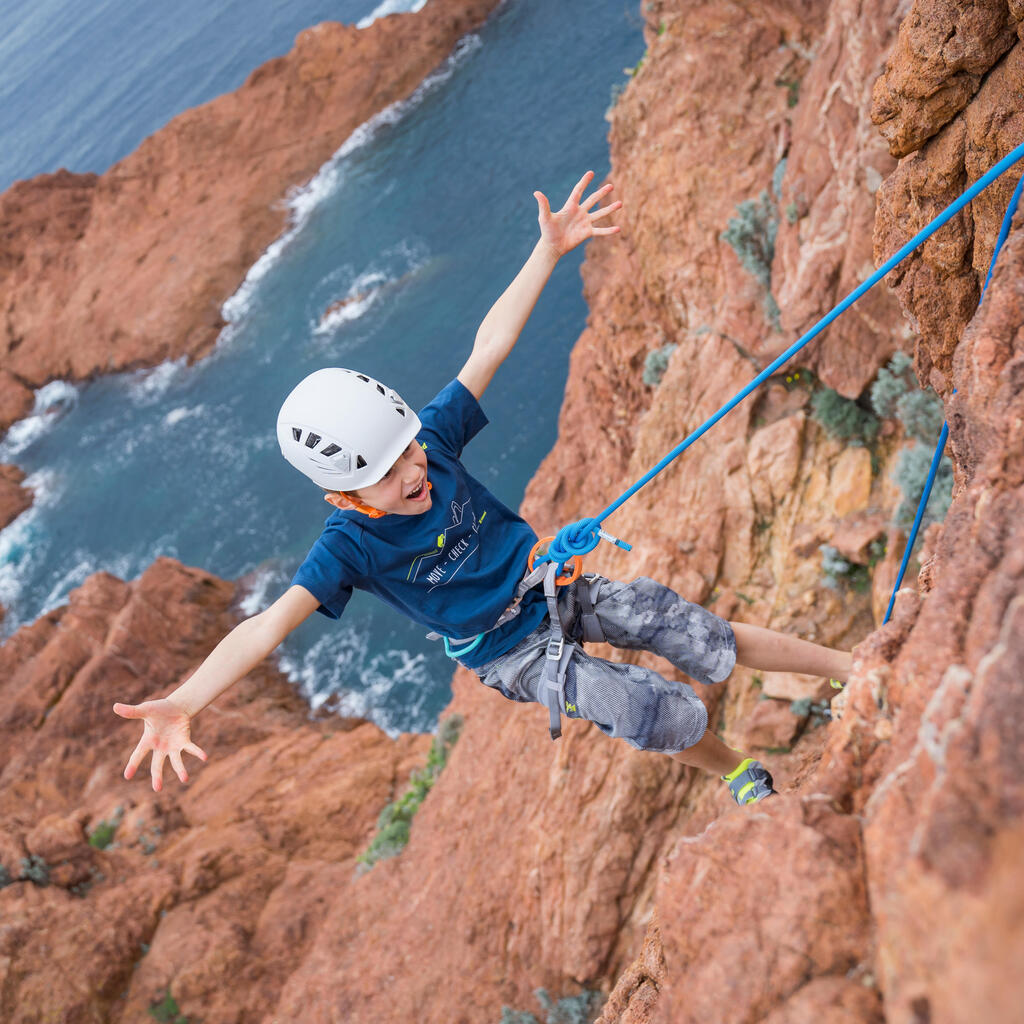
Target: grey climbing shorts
646,710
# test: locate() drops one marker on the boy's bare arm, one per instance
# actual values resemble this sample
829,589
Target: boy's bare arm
166,720
560,233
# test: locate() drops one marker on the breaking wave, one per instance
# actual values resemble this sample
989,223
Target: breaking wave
51,403
302,201
391,7
325,673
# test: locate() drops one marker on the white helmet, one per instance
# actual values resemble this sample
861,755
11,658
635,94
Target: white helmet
344,430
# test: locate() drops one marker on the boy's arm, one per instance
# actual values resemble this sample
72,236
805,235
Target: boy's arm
560,233
167,720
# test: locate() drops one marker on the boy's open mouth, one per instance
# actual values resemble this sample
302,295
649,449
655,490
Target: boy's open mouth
418,493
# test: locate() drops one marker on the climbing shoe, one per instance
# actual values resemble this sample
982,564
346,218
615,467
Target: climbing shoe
749,782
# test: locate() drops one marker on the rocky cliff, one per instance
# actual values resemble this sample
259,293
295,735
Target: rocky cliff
882,884
131,267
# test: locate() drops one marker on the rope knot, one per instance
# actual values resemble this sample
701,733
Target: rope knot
579,538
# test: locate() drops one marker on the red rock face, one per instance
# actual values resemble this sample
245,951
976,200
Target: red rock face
883,884
132,267
204,876
14,498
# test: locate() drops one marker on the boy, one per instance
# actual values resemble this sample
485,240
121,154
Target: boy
414,528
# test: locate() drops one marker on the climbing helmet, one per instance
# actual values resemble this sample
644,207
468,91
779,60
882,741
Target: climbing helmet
343,429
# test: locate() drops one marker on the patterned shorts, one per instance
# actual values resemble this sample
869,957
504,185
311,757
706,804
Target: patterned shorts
647,711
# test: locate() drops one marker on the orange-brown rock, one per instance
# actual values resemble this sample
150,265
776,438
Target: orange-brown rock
131,268
943,52
242,860
939,285
14,498
883,884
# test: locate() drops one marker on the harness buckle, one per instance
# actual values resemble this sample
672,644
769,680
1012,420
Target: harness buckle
555,648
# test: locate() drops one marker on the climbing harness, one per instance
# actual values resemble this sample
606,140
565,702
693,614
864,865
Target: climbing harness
563,553
1004,230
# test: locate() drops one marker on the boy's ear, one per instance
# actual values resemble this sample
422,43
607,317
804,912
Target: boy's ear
338,500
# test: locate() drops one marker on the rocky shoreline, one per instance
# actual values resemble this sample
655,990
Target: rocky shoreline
882,884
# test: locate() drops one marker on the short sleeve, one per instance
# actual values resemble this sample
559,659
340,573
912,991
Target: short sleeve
452,419
328,576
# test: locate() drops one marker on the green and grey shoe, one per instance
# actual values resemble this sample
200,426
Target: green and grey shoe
749,782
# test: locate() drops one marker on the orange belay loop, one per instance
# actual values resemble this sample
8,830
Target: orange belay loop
541,548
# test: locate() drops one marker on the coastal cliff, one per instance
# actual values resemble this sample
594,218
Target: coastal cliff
882,883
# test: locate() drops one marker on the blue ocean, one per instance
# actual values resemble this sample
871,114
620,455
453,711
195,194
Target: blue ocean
395,252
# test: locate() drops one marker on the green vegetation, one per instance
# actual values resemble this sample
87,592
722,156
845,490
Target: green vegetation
910,476
103,834
5,878
656,364
895,394
167,1010
792,213
751,233
35,869
840,574
843,418
792,87
581,1009
395,821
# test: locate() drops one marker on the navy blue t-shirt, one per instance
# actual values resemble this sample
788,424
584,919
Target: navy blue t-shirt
454,568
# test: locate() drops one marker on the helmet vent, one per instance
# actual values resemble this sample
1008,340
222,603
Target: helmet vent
363,377
312,440
399,410
331,449
297,433
360,462
380,388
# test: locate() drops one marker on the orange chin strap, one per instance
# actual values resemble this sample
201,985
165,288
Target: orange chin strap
369,510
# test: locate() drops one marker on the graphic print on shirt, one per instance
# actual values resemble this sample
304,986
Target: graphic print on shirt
447,557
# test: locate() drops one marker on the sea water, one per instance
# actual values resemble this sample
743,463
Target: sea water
415,227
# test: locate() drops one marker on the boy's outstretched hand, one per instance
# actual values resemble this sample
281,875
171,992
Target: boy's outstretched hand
573,223
166,733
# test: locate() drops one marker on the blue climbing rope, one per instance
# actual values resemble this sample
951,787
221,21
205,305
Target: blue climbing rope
583,536
1004,230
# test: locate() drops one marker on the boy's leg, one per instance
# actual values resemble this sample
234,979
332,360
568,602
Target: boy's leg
757,647
711,754
648,616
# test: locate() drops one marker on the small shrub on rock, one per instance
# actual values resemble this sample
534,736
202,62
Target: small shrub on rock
581,1009
34,869
843,418
395,820
910,475
656,364
751,233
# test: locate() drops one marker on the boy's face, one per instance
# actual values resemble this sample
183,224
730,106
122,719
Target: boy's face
403,489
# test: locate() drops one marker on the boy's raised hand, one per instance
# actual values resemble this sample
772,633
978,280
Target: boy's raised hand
166,732
574,223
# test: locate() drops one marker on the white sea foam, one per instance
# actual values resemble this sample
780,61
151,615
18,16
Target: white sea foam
391,7
183,412
302,201
52,401
21,541
146,387
327,670
262,588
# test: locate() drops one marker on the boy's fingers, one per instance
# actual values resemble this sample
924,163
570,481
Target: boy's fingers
135,760
193,749
607,231
156,770
127,710
605,210
598,195
543,204
577,192
178,765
